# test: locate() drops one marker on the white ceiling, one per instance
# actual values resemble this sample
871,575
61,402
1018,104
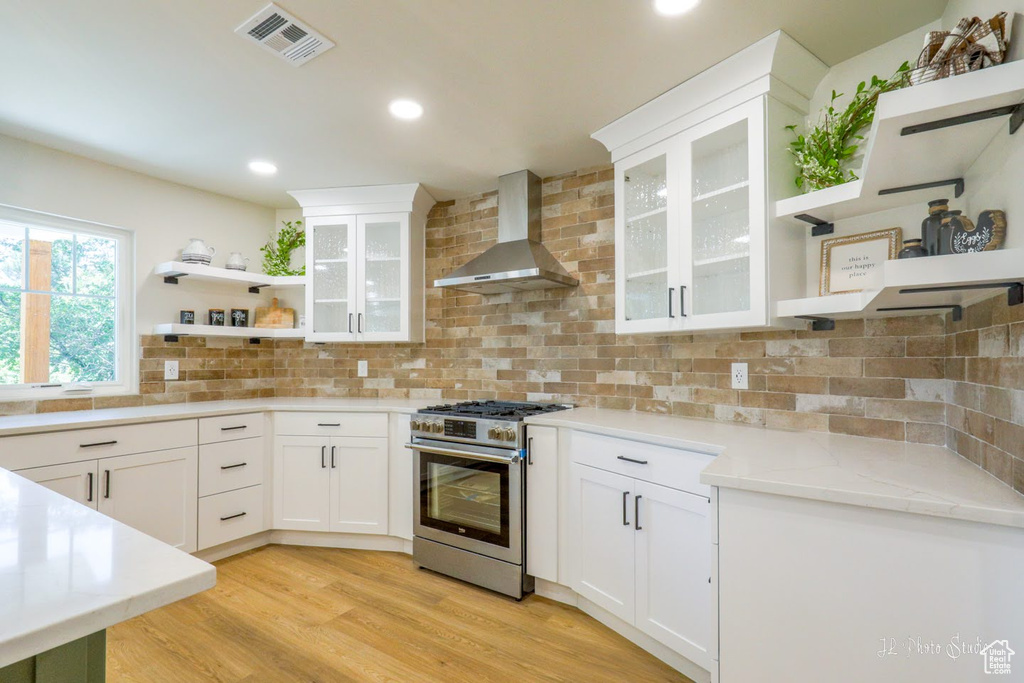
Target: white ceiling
166,88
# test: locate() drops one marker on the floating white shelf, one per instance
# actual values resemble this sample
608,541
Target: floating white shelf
894,160
969,271
171,270
177,329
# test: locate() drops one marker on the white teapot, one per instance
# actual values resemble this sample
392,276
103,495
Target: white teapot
236,261
197,252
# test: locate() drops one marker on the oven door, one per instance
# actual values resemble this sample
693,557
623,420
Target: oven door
470,497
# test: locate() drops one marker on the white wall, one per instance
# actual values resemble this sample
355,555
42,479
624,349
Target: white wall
162,215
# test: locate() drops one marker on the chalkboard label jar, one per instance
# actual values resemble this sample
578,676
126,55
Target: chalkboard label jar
217,317
239,317
188,317
946,232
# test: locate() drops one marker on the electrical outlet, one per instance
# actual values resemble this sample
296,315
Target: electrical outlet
362,368
739,376
171,369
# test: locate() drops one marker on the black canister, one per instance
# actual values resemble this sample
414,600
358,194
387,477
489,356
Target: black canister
912,249
930,226
946,232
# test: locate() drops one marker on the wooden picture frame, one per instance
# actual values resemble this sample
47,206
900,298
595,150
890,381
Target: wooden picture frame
853,263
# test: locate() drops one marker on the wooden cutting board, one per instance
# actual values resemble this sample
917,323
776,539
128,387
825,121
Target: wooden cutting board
275,318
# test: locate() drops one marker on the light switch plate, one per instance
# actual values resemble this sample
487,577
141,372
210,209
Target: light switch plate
170,370
739,376
362,368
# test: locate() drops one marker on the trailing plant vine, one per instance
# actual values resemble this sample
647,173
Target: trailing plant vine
822,154
277,252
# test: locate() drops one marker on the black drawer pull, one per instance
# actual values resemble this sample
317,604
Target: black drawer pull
328,424
98,443
638,462
231,429
106,484
89,499
231,467
240,514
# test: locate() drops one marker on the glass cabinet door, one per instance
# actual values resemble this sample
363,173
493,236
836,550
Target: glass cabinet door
330,267
383,245
723,220
644,242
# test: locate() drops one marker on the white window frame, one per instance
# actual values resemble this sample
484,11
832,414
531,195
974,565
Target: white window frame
127,352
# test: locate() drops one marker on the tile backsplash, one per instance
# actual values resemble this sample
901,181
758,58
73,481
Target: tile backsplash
921,379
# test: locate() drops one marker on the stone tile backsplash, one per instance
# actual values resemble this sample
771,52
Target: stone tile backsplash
921,379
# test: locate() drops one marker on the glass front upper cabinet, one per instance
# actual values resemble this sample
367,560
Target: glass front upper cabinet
331,269
383,245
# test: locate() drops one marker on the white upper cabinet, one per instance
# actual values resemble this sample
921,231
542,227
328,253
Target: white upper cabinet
695,172
365,262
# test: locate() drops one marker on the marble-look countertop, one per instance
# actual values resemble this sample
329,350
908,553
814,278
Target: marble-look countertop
874,473
107,417
67,571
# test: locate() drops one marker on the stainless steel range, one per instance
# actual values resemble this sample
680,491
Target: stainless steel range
471,491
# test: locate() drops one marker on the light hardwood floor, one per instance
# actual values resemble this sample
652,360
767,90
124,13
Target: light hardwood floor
285,613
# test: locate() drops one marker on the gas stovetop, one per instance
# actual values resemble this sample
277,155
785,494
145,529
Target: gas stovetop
493,410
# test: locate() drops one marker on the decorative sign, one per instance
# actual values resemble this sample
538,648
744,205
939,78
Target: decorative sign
988,235
188,318
854,263
239,317
217,317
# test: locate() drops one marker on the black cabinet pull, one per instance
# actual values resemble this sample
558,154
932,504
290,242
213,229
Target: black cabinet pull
231,429
529,450
671,293
98,443
638,462
328,424
636,512
333,448
240,514
682,301
231,467
323,457
350,323
106,485
359,326
89,494
625,495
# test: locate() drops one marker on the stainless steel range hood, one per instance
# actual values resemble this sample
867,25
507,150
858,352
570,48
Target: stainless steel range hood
518,261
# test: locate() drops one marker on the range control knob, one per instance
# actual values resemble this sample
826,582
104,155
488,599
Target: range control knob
437,427
415,425
508,434
494,434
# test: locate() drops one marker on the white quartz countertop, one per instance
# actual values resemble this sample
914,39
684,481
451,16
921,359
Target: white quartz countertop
85,419
889,475
67,571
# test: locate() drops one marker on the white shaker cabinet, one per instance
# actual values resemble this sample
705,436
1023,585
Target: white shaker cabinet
302,485
365,263
696,171
154,492
77,480
359,485
542,502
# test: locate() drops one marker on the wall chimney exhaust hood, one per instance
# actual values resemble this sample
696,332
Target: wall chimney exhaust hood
518,262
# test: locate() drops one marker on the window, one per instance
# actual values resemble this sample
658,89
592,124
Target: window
65,303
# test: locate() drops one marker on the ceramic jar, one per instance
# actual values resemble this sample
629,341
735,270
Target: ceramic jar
912,249
236,261
930,226
197,252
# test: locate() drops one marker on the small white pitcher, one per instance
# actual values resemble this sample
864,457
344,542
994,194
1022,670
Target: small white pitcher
236,261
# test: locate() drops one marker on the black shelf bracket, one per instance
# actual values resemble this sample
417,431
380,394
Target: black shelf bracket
957,310
255,289
170,337
254,340
819,228
1014,290
819,324
173,279
1014,111
957,183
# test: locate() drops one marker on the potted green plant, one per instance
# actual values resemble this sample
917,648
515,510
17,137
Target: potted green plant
277,252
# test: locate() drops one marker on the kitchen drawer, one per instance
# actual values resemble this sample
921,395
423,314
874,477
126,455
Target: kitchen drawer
671,467
230,465
53,448
331,424
228,516
230,427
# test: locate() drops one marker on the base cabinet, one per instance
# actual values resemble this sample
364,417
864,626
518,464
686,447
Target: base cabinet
154,492
542,503
331,484
76,480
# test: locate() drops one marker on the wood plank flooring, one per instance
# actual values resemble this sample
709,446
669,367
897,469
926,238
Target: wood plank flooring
286,613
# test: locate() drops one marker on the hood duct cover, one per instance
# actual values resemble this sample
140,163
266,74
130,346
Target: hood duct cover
518,262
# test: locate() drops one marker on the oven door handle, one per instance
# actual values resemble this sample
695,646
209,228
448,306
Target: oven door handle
469,455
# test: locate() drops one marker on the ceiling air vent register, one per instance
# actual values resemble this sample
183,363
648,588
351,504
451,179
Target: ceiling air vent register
275,30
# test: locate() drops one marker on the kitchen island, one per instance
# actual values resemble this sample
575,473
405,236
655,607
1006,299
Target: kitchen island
67,573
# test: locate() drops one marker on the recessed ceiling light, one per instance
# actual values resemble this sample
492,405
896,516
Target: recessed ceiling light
262,167
407,110
672,8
